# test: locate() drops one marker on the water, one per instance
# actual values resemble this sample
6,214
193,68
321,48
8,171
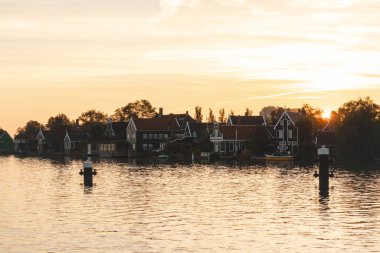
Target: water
202,208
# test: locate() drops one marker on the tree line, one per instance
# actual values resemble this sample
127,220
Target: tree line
356,122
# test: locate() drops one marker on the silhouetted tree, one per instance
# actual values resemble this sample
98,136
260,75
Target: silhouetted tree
211,116
248,112
92,116
31,129
306,146
266,113
139,108
276,115
222,116
58,123
198,114
359,131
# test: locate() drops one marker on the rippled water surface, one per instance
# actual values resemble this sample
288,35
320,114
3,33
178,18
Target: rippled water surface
184,208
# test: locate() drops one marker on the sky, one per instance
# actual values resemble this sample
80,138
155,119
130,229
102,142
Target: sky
69,56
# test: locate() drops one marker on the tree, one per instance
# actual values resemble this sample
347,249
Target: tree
31,129
266,113
92,116
359,131
198,114
222,116
248,112
211,116
276,115
139,108
315,114
306,147
57,123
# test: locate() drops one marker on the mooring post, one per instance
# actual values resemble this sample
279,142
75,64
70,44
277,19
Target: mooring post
87,171
324,174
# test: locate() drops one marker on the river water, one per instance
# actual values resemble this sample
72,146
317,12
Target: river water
184,208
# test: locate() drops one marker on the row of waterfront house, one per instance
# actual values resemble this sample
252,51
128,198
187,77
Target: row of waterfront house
166,134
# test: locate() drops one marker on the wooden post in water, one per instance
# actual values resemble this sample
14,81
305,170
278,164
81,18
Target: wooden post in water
87,169
324,174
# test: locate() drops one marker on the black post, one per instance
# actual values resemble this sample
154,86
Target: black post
87,170
323,174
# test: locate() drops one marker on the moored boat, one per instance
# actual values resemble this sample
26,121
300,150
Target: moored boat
279,157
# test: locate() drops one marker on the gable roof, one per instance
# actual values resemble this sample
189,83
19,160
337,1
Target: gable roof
200,129
156,124
181,119
293,116
246,120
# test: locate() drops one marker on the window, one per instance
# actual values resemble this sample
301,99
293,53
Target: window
223,147
134,147
166,136
145,147
161,136
280,134
150,136
237,146
150,146
231,146
290,134
144,136
155,136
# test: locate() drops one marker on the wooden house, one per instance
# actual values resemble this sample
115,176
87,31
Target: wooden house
114,143
6,143
286,132
232,139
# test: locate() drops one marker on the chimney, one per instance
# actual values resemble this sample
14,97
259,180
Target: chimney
160,111
77,122
187,112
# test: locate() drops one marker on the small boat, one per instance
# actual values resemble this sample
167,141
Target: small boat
163,156
279,157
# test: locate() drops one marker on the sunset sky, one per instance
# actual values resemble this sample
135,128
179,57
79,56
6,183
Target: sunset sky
68,56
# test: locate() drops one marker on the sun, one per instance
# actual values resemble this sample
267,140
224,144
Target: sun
326,114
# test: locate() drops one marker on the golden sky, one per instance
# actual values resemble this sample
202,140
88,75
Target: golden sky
73,55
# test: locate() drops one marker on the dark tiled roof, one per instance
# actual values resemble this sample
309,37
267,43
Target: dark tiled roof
239,132
120,129
48,134
1,132
156,124
181,118
200,129
327,138
77,136
247,120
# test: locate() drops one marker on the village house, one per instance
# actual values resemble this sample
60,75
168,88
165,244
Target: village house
74,140
115,142
152,134
66,140
25,144
286,132
232,139
6,143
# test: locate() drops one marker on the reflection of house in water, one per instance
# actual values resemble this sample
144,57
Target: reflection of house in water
114,144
